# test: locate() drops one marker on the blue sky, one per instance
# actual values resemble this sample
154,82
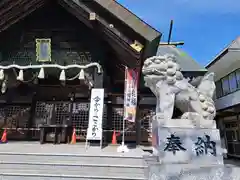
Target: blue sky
206,26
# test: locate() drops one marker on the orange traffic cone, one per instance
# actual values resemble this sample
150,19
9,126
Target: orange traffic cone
73,141
114,138
4,136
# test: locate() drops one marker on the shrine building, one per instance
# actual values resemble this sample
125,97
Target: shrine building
100,36
226,67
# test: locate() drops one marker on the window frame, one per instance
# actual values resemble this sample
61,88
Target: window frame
238,84
219,90
235,79
228,77
227,83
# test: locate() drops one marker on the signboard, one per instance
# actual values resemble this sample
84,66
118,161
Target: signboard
43,50
130,94
94,131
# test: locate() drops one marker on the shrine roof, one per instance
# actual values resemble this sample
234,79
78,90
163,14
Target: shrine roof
111,18
226,61
233,46
186,62
130,19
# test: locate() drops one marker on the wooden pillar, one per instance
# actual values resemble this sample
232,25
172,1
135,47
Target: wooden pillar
72,99
98,79
32,114
138,122
109,122
54,113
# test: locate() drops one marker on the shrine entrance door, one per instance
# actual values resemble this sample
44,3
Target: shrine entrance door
63,112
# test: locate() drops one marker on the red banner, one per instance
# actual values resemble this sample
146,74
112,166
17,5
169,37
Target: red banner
130,94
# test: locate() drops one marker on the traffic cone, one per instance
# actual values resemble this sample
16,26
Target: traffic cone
73,141
114,138
4,136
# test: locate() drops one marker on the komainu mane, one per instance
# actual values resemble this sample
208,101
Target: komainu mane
163,76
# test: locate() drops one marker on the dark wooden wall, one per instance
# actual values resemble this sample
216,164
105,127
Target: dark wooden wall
71,40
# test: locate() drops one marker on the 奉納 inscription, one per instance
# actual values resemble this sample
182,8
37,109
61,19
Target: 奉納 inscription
174,144
204,145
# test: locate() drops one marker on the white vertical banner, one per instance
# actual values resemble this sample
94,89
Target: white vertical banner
94,131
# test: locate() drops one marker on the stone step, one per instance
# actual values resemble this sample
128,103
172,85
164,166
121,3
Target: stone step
87,171
71,169
28,176
34,161
71,158
149,160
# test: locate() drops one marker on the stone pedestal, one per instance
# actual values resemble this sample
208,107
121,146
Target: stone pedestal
187,150
184,172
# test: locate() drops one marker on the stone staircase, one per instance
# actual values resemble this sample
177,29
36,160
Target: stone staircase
34,161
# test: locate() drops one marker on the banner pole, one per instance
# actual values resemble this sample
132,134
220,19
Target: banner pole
123,135
123,148
123,126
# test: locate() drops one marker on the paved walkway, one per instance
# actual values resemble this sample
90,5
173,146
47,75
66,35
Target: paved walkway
232,162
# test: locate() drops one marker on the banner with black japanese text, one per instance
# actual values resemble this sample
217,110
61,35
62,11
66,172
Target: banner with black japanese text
94,131
130,94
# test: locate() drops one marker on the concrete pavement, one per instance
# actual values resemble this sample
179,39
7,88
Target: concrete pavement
232,162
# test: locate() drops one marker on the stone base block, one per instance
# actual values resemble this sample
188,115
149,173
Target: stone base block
187,145
187,172
183,123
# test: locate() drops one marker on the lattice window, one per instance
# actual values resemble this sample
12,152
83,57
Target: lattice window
117,118
43,113
62,112
146,119
104,125
80,114
2,117
80,117
146,123
14,116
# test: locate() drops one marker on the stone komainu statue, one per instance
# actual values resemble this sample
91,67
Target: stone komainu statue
163,76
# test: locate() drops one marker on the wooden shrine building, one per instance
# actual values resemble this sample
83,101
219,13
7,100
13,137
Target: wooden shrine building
71,32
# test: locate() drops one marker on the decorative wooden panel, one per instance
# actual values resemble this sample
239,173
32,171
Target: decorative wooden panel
71,42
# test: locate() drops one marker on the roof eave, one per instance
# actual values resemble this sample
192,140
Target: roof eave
219,56
151,47
130,19
233,46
